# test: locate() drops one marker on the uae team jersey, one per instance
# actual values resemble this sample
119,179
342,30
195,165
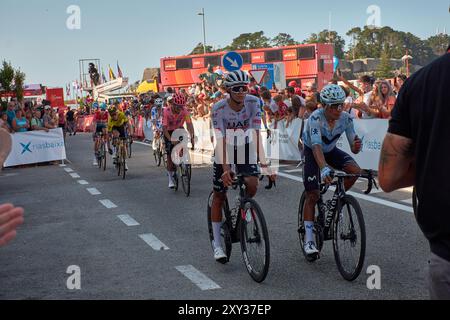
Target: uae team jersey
224,118
318,132
173,121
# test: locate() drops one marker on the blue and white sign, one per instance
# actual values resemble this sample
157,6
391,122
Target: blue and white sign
335,63
35,147
232,61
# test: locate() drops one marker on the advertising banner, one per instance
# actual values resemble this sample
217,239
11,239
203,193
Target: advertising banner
36,147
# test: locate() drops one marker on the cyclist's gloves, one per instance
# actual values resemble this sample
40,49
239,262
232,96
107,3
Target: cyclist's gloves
325,172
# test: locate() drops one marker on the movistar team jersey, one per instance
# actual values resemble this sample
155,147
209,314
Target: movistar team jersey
318,132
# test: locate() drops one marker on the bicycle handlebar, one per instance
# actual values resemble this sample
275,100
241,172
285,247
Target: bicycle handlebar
369,175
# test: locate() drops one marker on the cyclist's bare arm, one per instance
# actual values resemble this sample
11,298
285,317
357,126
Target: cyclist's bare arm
397,164
319,156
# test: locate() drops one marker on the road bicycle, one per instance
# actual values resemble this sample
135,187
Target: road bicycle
244,223
101,151
340,220
121,154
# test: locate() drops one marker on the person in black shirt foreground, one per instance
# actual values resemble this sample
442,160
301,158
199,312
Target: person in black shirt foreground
416,151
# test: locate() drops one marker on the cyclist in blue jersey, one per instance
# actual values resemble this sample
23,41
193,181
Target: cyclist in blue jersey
156,117
323,130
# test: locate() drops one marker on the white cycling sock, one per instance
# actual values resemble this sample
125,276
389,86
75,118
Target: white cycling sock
309,234
217,226
170,174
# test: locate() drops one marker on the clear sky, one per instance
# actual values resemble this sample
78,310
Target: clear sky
137,33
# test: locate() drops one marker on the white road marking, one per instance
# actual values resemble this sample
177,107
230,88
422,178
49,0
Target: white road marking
143,143
359,195
108,204
153,242
93,191
9,175
198,278
128,220
75,175
83,182
68,170
62,165
293,171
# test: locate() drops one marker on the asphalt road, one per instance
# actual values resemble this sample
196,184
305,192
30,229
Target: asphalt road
66,225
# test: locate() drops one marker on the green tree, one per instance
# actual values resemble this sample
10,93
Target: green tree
250,41
199,49
438,43
373,42
6,76
283,40
19,82
327,36
385,68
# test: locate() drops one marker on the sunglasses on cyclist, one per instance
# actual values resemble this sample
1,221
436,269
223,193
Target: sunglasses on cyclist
338,107
239,89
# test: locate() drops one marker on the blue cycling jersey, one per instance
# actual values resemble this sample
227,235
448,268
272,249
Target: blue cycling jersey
318,132
157,119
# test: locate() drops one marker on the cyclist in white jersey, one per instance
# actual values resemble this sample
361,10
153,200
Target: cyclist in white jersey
324,128
240,112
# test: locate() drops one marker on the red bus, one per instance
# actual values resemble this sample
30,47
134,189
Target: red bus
303,63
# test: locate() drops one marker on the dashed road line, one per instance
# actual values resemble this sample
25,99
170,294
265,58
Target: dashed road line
153,242
93,191
83,182
68,170
128,220
75,175
198,278
108,204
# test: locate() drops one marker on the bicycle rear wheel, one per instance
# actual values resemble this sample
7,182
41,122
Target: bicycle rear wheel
185,179
301,231
226,240
349,238
255,244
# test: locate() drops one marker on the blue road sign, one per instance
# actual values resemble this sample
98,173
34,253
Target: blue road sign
232,61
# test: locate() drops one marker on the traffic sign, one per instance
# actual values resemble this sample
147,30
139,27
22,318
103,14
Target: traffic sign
232,61
258,75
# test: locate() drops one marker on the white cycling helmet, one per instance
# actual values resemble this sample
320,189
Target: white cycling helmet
236,78
332,94
159,102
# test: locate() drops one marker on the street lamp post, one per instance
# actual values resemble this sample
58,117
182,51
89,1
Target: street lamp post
204,29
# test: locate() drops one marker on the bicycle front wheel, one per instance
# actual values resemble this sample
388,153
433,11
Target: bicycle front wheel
104,152
349,238
129,143
185,179
255,241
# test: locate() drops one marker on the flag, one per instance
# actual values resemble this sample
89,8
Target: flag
68,90
111,74
103,77
119,72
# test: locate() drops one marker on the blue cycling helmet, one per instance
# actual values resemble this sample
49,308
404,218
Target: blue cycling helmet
95,105
103,106
332,94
